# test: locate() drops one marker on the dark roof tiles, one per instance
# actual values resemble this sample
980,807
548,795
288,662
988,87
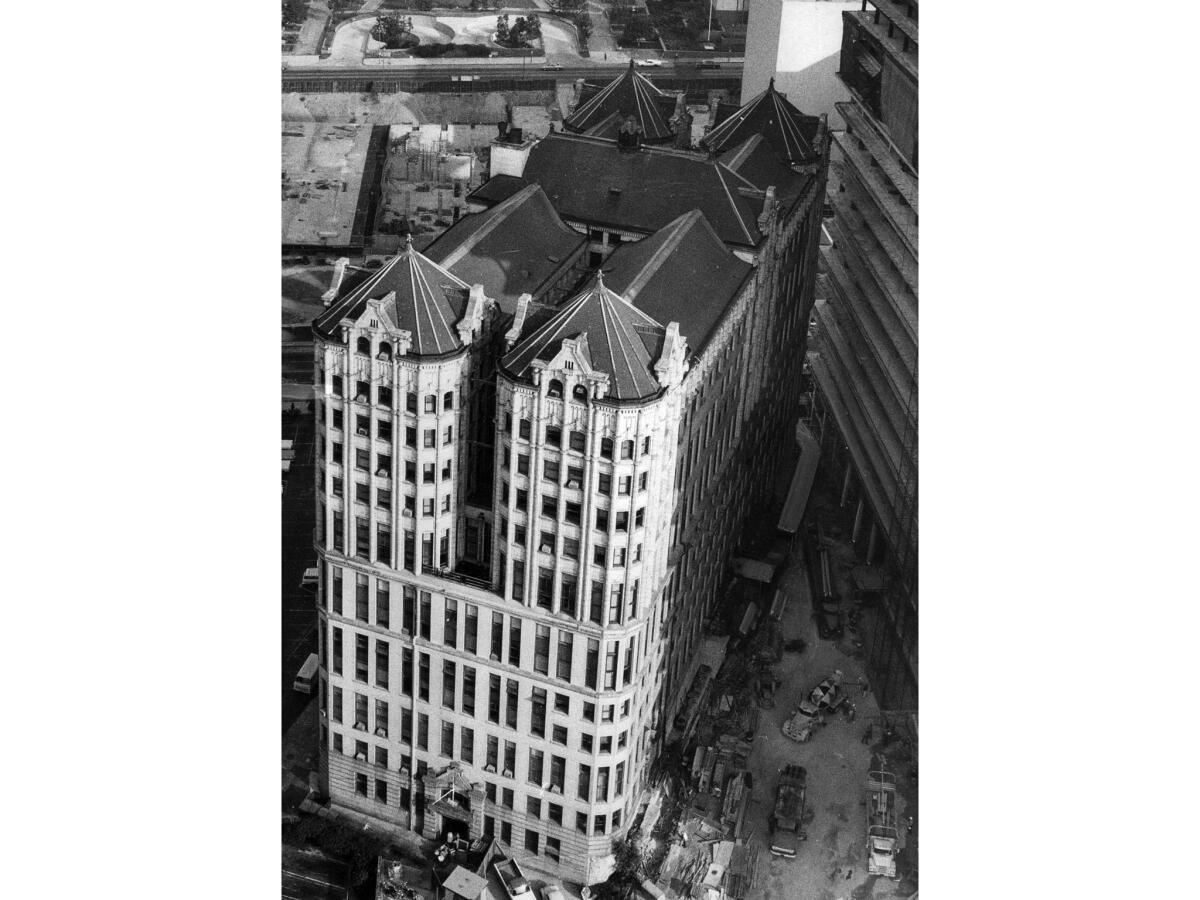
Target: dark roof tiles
790,132
629,94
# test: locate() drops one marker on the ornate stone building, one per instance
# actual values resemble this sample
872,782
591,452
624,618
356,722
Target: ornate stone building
533,472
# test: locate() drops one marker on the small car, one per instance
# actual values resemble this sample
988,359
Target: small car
551,67
648,62
829,625
706,64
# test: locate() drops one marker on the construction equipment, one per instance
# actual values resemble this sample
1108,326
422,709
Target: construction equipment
826,696
786,832
882,833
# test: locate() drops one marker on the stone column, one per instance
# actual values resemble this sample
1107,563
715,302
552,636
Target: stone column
433,822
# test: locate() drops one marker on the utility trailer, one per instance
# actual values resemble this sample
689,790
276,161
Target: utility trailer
786,833
883,836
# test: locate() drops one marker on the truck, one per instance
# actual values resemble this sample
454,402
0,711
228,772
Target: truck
882,832
810,713
786,821
516,885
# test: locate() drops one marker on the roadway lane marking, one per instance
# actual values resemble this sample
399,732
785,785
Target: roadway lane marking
313,880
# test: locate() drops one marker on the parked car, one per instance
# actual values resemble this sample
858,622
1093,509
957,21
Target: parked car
708,64
553,892
516,885
829,625
648,62
551,67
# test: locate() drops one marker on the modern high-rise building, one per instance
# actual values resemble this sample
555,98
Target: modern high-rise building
864,355
538,440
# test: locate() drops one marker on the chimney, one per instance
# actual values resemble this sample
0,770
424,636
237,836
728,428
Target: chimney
514,332
339,272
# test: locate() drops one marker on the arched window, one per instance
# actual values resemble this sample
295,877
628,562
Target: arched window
385,350
556,389
364,346
579,393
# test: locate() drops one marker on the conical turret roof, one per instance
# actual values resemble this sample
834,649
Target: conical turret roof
622,341
789,131
420,297
629,94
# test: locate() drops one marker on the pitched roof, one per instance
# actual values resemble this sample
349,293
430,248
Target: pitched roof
589,180
629,94
681,273
497,189
427,302
755,160
789,131
622,341
520,246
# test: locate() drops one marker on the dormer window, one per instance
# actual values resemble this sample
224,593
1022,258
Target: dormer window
556,389
364,346
385,350
579,393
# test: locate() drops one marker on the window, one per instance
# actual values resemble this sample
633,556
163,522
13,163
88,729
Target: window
601,525
422,731
360,658
423,677
520,535
577,440
619,556
385,397
383,430
429,437
430,403
570,584
337,743
381,754
524,429
337,452
602,785
362,459
448,401
624,484
337,386
555,389
610,667
450,623
336,704
616,819
522,463
410,471
360,784
558,768
562,702
626,449
550,507
406,728
471,638
637,555
497,635
506,832
620,781
381,664
606,714
506,798
426,613
531,841
553,435
364,346
585,782
599,826
362,538
466,741
639,517
606,448
446,503
447,744
362,492
494,699
514,642
645,446
384,467
622,521
574,514
538,717
448,679
606,744
536,764
493,758
550,470
585,742
558,734
360,597
446,470
581,822
406,609
553,844
427,506
448,434
574,477
336,592
337,487
410,436
381,725
468,691
596,606
533,806
406,672
589,712
642,481
383,499
522,500
512,688
362,424
593,663
566,643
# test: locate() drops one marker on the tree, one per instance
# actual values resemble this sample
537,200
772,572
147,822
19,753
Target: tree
629,868
424,5
390,30
533,26
502,29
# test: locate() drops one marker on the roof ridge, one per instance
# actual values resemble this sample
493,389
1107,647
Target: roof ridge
679,228
497,214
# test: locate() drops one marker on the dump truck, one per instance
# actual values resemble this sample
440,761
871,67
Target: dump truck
516,885
882,833
786,833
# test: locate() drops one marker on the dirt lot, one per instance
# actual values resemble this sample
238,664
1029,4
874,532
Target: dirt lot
837,761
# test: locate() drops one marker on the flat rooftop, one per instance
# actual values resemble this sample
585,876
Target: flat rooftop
323,179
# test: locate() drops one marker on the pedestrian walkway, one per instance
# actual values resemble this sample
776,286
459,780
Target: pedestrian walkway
310,32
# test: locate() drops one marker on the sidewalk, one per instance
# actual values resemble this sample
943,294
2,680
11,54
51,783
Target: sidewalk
310,31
